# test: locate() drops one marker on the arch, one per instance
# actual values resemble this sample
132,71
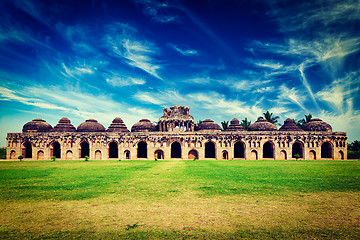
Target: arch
113,150
268,150
159,154
12,154
193,154
209,150
27,150
56,150
175,150
341,155
40,155
283,155
69,155
326,150
239,150
84,149
142,150
97,155
312,155
254,155
127,154
225,155
298,148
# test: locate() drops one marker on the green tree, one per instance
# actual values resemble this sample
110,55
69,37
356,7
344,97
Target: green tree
225,125
245,123
298,123
306,119
200,121
271,118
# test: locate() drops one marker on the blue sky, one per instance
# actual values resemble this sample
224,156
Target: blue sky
223,59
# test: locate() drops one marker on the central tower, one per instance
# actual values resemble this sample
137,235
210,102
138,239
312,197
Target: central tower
177,119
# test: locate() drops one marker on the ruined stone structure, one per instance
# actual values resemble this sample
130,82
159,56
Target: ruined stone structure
176,136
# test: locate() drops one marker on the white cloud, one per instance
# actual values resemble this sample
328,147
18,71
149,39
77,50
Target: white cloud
186,52
293,95
117,80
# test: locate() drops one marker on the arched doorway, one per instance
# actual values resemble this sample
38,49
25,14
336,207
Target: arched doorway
225,155
12,154
159,154
175,150
209,150
113,150
326,150
97,155
254,155
268,150
193,154
84,149
127,154
283,155
312,155
341,155
69,155
28,150
40,155
239,150
298,148
142,150
56,151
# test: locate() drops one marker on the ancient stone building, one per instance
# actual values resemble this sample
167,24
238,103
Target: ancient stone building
176,136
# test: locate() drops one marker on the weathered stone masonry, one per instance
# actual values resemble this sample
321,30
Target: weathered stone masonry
176,136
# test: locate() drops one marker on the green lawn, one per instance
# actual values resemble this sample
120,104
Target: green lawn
180,199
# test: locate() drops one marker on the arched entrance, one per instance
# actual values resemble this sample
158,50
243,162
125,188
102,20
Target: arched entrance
209,150
40,155
28,150
175,150
193,154
225,155
254,155
298,148
12,154
97,155
84,149
56,151
142,150
312,155
268,150
113,150
283,155
239,150
69,155
341,155
159,154
127,154
326,150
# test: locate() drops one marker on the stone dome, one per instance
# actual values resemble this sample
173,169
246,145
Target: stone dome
208,125
64,125
144,125
262,125
316,124
235,126
289,125
91,125
117,125
37,125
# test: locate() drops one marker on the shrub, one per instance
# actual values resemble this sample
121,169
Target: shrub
86,158
296,156
195,158
20,157
53,158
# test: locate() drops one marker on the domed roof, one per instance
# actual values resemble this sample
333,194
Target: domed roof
289,125
316,124
144,125
117,125
235,126
37,125
64,125
208,125
262,125
91,125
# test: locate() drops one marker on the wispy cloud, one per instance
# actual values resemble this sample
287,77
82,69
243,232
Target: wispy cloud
158,11
185,52
118,80
293,95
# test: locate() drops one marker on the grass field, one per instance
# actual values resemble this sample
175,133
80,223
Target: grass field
180,200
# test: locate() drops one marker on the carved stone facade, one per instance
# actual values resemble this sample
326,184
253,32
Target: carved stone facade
174,137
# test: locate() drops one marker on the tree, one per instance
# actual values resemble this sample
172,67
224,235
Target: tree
301,122
271,118
298,123
200,121
245,123
225,125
